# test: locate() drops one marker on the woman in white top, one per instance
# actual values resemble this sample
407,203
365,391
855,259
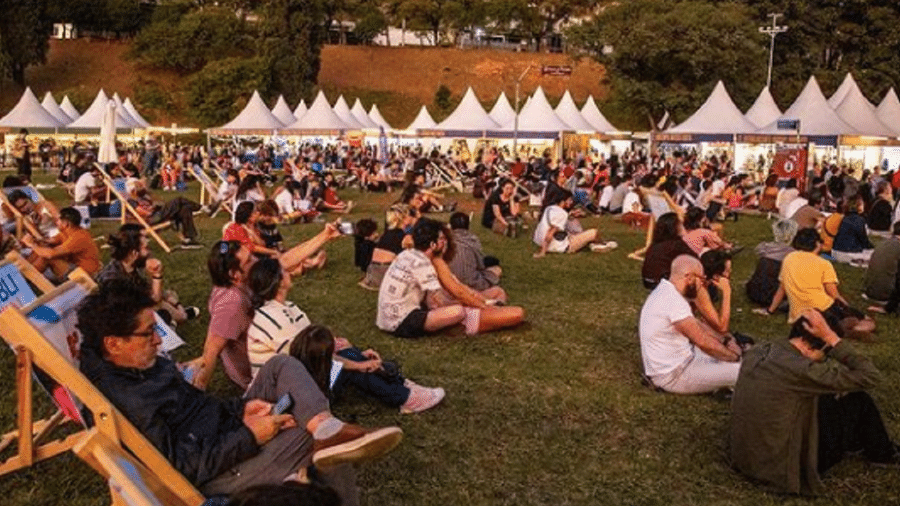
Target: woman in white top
551,235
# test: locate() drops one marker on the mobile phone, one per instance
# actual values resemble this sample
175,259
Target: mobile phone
284,403
346,228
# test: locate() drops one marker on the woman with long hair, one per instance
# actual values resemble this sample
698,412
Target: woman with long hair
666,246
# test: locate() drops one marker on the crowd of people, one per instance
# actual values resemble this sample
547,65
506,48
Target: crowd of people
788,425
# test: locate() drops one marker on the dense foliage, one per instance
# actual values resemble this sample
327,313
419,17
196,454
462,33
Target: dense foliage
24,30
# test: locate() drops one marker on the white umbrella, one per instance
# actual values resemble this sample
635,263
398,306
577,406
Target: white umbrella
107,152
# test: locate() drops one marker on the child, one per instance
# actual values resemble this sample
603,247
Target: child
267,225
315,347
364,243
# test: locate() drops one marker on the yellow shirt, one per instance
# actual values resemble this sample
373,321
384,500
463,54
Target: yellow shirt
804,275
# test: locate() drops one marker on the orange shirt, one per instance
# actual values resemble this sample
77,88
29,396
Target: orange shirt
78,248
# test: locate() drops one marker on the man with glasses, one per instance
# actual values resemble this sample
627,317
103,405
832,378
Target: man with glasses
42,214
681,353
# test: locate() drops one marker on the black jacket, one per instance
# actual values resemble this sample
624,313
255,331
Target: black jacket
200,435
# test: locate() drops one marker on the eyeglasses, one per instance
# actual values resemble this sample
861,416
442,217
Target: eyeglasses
147,334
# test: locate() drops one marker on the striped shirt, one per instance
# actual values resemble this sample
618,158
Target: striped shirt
273,327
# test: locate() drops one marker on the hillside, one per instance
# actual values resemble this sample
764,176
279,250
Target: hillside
400,80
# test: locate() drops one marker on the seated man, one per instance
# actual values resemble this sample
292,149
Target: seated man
882,283
681,354
799,405
469,263
221,446
810,282
72,247
41,214
180,211
130,260
89,189
409,281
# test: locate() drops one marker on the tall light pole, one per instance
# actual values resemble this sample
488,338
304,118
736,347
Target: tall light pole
772,31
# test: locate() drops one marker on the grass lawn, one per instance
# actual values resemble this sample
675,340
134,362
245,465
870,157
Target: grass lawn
549,413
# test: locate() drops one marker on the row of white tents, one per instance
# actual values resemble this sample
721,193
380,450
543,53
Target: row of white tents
29,113
537,118
846,113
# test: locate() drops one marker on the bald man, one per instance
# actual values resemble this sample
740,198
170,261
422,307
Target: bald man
681,353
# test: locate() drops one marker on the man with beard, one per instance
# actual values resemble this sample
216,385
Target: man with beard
131,260
682,354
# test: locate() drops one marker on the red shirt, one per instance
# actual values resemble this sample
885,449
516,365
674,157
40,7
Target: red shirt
236,232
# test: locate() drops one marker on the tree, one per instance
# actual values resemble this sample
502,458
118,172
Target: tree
221,90
668,56
25,29
291,36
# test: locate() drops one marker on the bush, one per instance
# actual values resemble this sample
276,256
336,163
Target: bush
442,98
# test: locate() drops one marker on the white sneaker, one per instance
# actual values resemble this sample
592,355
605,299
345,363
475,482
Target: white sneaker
421,399
603,247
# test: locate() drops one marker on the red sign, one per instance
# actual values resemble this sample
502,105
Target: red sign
556,70
790,162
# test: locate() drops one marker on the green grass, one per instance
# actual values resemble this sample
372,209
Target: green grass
549,413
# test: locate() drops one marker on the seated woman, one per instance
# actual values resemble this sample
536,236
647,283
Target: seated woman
267,225
483,312
667,245
501,211
280,327
250,190
699,234
423,201
551,231
398,220
881,213
851,243
717,270
330,200
170,174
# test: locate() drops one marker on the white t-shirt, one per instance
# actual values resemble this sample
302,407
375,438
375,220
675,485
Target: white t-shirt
273,328
605,196
83,187
403,288
632,203
557,217
285,202
794,206
663,347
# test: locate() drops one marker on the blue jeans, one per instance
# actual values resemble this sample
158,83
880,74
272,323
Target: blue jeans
387,388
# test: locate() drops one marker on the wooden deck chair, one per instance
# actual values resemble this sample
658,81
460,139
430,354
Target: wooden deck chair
521,190
116,187
659,203
23,223
209,191
45,339
446,179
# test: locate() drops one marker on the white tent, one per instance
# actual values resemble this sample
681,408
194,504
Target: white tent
847,85
469,115
502,112
29,113
123,113
569,113
718,115
49,103
134,114
592,114
301,109
283,112
854,109
378,119
320,116
764,110
359,112
69,109
93,116
888,111
343,111
538,116
255,116
816,118
423,121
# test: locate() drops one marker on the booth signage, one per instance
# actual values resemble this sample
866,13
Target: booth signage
556,70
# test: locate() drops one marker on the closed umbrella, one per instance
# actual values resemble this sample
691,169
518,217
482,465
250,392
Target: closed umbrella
107,153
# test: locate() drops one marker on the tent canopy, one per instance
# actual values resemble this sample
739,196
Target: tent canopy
764,110
49,103
423,121
359,112
569,113
538,116
592,114
283,112
816,117
888,111
469,115
856,110
29,113
378,119
502,112
319,117
718,115
134,114
69,109
254,117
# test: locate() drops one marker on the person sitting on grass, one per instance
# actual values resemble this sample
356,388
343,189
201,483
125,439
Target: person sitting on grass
398,219
469,264
810,282
219,445
129,257
667,244
501,211
72,247
331,202
882,282
682,354
699,234
551,234
851,244
365,233
800,406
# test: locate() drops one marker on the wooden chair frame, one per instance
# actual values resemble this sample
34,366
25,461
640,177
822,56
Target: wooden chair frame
128,208
23,223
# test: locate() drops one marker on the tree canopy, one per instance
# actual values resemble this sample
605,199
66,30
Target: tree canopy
24,32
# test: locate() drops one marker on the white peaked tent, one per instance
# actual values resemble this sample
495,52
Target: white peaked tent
283,112
255,116
718,115
93,116
502,112
469,115
49,103
378,119
320,116
29,113
301,109
816,118
359,112
69,109
134,114
423,121
847,85
764,110
123,113
569,113
888,111
592,114
538,116
343,111
854,109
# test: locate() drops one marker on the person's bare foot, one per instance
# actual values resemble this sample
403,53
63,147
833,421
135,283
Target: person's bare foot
876,309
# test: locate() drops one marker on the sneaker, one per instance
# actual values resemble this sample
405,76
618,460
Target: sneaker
421,399
190,244
355,444
192,312
603,247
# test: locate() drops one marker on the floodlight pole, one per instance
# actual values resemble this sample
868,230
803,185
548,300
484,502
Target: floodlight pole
772,31
516,120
